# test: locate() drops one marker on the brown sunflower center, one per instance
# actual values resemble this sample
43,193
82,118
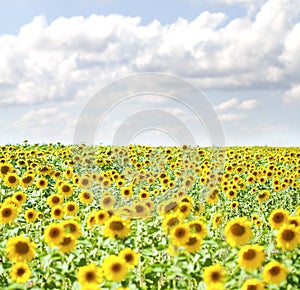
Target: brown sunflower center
274,271
66,188
4,169
20,272
252,287
55,199
86,195
139,208
42,182
116,267
197,227
128,257
30,215
288,235
12,179
21,248
7,212
107,200
278,218
192,241
54,233
66,241
249,255
19,197
179,233
71,207
116,226
170,206
126,192
237,230
90,276
27,179
57,212
215,276
173,222
85,182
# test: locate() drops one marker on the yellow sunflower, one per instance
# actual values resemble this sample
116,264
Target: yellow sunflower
72,227
20,272
170,221
42,183
126,191
20,196
263,195
27,180
214,276
20,249
107,201
84,182
251,257
66,189
101,217
180,234
71,208
193,244
198,227
114,268
31,215
57,212
238,232
86,197
54,200
11,180
253,284
8,213
288,237
274,273
89,275
116,227
130,257
68,243
54,234
278,218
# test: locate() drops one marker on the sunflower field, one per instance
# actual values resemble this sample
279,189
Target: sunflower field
141,217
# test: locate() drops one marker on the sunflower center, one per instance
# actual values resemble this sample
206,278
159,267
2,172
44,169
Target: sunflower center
180,233
274,271
85,181
251,287
278,218
54,233
192,241
66,241
57,212
30,215
42,182
86,195
197,227
71,207
66,188
170,206
128,257
237,230
173,222
27,179
288,235
21,248
7,212
116,226
116,267
19,197
249,255
4,169
90,276
107,200
55,199
139,208
20,271
183,208
126,192
215,276
12,179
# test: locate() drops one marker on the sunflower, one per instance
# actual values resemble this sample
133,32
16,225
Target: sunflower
294,220
214,277
20,249
20,272
144,194
66,189
274,273
184,208
217,220
20,196
288,237
251,257
54,200
263,195
170,221
116,227
101,217
238,232
140,210
114,268
84,182
278,218
68,243
198,227
86,197
54,234
89,275
30,215
234,205
11,180
27,180
126,191
91,220
57,212
130,257
193,244
8,213
253,284
107,201
72,227
70,208
180,234
42,183
5,169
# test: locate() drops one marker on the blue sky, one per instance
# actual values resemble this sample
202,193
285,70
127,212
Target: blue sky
244,55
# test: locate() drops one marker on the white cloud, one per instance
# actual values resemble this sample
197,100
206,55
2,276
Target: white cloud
69,58
232,103
292,95
249,104
231,117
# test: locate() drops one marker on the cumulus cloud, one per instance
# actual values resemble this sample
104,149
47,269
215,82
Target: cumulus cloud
234,103
292,95
231,117
71,57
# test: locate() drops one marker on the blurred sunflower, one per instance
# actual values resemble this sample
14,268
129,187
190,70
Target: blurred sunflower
8,213
288,237
20,272
263,195
238,232
54,234
114,268
86,197
193,244
214,277
65,189
116,227
101,216
251,257
180,234
198,227
11,180
107,201
67,244
89,275
130,257
72,227
274,273
20,249
126,191
31,215
20,196
27,180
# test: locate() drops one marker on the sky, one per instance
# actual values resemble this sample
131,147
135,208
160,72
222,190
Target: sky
243,56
